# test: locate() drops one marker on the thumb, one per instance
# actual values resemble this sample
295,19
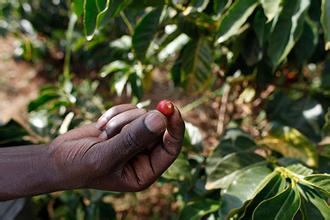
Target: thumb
135,137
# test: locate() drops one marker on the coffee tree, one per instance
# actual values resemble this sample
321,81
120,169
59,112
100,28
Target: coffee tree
269,56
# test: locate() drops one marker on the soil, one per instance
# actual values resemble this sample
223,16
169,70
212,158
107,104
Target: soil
19,83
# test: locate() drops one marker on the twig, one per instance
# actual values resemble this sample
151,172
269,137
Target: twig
127,22
223,109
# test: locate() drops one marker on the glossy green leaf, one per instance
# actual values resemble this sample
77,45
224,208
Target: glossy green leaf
291,143
145,31
300,169
320,181
271,8
284,206
222,173
271,186
197,210
194,65
235,17
78,7
243,188
90,16
287,30
313,206
325,20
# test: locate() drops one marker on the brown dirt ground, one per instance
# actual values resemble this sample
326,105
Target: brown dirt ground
18,83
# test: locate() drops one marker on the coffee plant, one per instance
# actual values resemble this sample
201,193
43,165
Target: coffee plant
270,56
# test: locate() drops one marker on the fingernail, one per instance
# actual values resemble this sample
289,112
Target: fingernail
103,135
101,122
155,122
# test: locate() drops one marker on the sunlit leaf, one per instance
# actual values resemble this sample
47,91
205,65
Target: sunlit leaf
300,169
287,30
243,188
235,17
291,143
271,8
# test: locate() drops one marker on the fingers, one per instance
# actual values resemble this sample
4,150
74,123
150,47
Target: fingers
85,131
103,120
116,123
146,168
163,155
134,137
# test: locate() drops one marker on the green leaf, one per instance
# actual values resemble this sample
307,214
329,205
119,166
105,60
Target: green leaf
304,114
90,16
116,6
234,140
42,99
200,5
180,170
197,210
271,186
313,205
145,31
320,181
78,7
284,206
136,85
291,143
243,188
307,43
325,20
271,8
113,67
12,134
223,172
220,6
96,10
235,17
195,63
287,30
300,169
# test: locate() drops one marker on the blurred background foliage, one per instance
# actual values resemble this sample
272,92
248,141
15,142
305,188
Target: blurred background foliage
262,66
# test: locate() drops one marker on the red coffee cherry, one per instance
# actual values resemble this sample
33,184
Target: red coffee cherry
166,107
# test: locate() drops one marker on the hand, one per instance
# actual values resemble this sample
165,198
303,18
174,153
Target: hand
126,150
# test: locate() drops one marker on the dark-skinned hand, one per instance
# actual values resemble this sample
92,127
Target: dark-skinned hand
126,150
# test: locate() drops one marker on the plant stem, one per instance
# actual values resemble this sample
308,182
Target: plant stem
69,33
223,109
127,22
